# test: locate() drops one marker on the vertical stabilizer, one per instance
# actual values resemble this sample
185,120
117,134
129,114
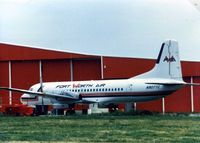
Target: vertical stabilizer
167,64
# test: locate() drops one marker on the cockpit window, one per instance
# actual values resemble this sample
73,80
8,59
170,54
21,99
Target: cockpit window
40,89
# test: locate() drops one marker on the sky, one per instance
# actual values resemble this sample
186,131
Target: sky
125,28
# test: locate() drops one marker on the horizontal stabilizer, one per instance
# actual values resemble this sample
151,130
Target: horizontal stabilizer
174,83
165,83
193,84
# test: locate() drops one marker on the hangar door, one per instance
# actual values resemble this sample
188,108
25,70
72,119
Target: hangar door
87,69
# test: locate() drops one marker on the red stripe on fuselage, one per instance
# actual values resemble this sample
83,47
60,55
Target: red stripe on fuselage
123,94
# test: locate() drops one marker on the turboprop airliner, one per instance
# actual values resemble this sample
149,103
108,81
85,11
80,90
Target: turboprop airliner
164,79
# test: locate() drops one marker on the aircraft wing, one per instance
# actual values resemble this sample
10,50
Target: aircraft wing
66,95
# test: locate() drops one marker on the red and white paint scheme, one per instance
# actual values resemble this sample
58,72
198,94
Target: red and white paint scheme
164,79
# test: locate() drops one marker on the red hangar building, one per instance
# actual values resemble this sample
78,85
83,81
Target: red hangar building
20,68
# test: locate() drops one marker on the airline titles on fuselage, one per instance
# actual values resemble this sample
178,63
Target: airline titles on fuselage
80,85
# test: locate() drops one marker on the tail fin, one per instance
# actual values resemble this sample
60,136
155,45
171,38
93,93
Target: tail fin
167,64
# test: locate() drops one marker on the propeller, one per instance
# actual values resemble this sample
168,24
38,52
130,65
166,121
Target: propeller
41,85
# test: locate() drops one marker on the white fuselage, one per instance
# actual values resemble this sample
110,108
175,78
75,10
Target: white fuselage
100,91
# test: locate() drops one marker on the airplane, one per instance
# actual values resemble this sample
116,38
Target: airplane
164,79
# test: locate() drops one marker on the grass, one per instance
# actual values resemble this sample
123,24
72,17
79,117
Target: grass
101,128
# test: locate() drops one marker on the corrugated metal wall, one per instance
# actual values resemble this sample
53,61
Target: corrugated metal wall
196,95
23,75
86,69
4,81
56,70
